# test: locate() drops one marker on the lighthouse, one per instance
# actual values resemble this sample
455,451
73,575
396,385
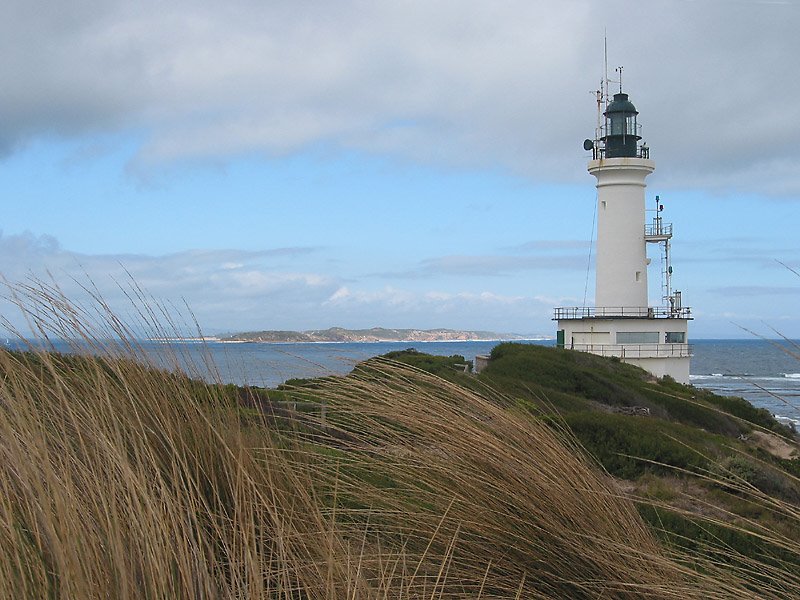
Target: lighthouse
622,322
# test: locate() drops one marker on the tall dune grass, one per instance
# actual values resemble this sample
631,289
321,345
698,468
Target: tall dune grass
119,480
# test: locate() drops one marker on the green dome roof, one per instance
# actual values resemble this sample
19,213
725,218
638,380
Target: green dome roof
621,104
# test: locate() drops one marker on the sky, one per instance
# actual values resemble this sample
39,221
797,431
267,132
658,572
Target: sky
413,164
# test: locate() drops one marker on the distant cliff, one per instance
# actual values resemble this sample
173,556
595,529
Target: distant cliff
376,334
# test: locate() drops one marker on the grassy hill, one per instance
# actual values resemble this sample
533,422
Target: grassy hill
700,465
544,477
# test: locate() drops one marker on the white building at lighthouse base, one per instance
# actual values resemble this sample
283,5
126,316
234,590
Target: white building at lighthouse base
653,338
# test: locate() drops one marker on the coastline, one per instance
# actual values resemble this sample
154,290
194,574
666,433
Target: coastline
377,335
386,341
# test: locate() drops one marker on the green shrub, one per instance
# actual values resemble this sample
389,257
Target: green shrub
746,411
729,545
737,470
437,365
628,447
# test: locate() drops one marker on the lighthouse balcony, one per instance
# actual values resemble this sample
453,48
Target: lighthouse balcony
657,231
635,351
600,150
621,312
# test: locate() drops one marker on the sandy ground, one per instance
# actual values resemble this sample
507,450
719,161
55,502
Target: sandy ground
774,445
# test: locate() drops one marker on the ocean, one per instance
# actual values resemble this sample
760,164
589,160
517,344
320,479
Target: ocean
760,371
765,372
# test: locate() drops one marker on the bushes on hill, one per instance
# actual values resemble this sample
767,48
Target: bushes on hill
531,371
628,447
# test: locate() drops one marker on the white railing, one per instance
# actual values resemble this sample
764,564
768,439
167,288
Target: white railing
626,312
635,350
658,229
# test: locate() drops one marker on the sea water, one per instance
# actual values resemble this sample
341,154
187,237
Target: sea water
765,372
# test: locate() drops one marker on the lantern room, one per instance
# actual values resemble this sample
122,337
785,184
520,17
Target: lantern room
621,128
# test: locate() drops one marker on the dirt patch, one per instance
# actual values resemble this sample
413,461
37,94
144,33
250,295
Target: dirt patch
774,445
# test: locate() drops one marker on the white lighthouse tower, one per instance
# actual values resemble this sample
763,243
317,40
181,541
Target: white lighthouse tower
622,322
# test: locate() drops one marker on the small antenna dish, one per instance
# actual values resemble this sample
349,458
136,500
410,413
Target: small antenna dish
588,144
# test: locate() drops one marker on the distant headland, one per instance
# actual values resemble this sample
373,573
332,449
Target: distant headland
375,334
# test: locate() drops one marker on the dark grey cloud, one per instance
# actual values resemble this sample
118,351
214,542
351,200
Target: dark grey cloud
452,82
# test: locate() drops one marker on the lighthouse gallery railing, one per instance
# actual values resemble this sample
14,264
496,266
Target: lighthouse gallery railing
625,312
632,351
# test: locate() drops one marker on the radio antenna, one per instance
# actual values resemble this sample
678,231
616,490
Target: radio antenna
598,131
605,66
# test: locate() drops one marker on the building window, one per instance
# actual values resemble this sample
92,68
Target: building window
675,337
637,337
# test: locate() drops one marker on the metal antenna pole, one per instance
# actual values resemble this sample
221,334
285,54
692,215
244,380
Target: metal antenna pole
598,130
605,67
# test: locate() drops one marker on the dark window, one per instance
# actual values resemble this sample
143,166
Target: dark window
637,337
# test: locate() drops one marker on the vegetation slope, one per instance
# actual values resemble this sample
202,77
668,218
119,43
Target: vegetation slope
709,473
119,480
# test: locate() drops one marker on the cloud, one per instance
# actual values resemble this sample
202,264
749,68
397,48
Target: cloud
498,265
755,290
550,245
458,82
743,252
222,287
474,310
486,266
229,290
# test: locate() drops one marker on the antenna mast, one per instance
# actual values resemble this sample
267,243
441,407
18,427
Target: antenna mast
605,67
598,131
